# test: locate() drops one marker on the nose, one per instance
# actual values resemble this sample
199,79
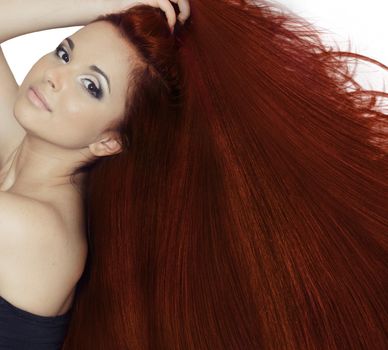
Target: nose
55,77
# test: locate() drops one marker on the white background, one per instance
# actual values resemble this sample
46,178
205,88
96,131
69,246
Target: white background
362,22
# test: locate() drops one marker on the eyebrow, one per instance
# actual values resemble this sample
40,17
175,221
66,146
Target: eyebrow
92,67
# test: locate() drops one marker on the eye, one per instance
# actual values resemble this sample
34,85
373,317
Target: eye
59,49
95,91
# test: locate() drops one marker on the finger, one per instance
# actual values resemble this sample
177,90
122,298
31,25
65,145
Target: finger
168,9
184,8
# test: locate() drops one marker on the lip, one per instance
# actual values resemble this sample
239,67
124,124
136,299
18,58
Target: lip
38,98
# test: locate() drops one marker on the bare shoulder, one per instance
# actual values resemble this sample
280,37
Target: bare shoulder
30,225
24,220
36,254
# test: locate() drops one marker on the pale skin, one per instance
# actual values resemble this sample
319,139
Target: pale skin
42,241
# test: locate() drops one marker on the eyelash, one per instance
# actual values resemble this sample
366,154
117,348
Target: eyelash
98,92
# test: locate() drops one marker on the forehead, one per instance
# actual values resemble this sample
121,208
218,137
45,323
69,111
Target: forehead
101,44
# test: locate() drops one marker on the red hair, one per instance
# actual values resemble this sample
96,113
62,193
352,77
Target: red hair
249,210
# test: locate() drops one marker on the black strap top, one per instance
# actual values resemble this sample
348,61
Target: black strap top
21,330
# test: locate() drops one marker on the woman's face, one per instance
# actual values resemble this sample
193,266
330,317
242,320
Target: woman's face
84,82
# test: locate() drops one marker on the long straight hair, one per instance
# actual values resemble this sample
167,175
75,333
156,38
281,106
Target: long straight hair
249,210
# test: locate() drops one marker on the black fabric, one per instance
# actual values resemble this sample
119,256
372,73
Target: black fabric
22,330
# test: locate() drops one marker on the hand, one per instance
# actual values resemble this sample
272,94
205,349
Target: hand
164,5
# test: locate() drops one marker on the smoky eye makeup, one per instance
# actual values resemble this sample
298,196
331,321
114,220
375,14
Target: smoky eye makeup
62,53
93,67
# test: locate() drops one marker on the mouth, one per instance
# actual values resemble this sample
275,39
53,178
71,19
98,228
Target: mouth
38,99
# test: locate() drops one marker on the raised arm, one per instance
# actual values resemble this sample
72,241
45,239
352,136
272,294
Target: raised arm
18,17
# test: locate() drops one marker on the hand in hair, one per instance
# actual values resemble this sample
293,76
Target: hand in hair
164,5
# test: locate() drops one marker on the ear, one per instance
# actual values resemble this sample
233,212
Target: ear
106,147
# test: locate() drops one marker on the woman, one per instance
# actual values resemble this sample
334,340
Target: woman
43,242
233,183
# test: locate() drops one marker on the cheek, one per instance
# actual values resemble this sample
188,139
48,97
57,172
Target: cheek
73,105
77,126
74,134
